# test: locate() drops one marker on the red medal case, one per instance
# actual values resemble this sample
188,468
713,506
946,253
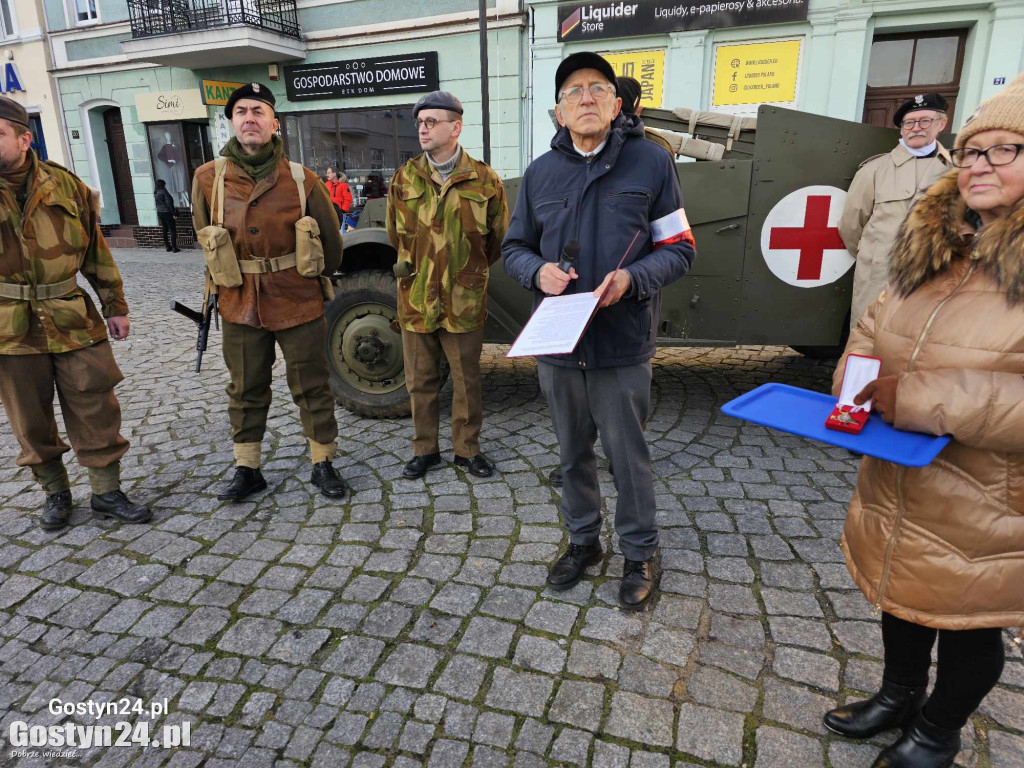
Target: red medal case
847,417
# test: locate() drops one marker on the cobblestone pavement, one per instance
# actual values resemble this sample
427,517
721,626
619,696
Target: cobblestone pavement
410,625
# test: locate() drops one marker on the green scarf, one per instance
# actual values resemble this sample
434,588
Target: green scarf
261,164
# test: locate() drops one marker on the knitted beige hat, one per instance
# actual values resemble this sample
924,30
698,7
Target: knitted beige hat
1003,111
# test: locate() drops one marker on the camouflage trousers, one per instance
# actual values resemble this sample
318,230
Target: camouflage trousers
422,352
84,382
249,354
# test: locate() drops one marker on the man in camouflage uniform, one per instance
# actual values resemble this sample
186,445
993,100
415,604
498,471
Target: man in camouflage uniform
274,305
446,217
51,336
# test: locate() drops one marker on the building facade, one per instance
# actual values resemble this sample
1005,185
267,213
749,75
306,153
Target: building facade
851,59
144,82
25,74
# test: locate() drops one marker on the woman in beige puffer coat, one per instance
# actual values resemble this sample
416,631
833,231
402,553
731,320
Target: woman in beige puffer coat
940,549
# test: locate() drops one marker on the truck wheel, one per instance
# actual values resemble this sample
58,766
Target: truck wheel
829,352
364,354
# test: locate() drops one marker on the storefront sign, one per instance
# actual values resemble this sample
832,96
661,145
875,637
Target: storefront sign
648,67
596,21
413,73
170,105
756,73
217,92
12,78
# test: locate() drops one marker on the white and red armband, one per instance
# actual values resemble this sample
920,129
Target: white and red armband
673,228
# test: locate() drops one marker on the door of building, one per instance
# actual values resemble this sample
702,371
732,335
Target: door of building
910,63
120,167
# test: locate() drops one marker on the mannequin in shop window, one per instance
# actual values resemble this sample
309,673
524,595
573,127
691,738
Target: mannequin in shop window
173,171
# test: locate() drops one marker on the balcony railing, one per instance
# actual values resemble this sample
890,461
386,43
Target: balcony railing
167,17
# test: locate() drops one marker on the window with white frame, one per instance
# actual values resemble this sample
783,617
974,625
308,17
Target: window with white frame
7,19
83,11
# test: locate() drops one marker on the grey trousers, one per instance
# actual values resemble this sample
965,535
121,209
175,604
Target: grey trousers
612,403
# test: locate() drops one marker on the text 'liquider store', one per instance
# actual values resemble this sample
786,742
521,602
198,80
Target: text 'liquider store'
841,58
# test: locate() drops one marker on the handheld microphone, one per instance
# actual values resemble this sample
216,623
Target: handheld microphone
570,253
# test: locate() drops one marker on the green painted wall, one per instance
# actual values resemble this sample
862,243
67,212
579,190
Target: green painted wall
121,88
360,12
95,47
834,58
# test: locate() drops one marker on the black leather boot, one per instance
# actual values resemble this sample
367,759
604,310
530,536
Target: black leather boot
923,745
326,478
56,511
637,587
894,706
116,504
418,465
568,569
246,482
478,465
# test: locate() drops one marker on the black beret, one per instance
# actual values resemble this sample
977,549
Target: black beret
254,91
13,111
582,60
630,90
921,101
438,100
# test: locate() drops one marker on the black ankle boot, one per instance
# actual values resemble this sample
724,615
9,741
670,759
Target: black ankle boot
894,706
326,478
246,482
116,504
923,745
56,511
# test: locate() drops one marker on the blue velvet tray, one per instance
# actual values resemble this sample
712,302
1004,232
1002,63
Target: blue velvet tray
803,412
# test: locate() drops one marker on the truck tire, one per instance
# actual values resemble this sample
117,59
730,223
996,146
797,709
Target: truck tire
828,352
364,355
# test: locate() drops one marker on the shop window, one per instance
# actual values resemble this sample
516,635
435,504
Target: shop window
38,142
7,26
367,144
83,11
177,150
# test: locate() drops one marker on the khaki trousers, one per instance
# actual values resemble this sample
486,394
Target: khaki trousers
422,352
84,382
249,354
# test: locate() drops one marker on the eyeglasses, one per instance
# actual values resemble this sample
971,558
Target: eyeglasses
599,91
430,122
924,122
1000,154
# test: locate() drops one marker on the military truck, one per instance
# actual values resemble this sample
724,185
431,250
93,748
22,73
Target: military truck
762,195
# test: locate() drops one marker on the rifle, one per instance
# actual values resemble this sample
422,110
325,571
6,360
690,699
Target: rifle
202,320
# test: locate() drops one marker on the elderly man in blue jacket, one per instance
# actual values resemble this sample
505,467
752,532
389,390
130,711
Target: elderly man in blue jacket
600,184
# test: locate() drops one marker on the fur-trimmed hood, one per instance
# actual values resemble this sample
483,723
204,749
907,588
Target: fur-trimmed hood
936,232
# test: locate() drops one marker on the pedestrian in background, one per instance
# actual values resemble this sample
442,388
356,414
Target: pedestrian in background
940,549
341,194
600,185
631,93
446,217
52,339
168,216
883,190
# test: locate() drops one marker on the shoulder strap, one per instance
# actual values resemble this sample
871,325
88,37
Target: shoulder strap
299,174
220,168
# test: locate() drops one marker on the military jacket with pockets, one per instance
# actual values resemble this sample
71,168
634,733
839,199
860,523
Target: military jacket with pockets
880,196
261,216
54,238
450,234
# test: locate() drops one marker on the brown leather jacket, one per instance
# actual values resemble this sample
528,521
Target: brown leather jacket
943,545
261,218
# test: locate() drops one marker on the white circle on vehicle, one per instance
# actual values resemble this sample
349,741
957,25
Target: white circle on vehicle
800,238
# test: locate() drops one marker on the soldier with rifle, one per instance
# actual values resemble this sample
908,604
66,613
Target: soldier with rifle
270,237
52,339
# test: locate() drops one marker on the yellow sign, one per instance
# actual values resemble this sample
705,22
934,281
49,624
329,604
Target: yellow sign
756,73
170,105
646,66
216,92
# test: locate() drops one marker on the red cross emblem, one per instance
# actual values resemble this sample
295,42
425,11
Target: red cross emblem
800,239
811,239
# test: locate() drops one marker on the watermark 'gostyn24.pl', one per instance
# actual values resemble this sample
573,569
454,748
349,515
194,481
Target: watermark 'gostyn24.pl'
119,734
